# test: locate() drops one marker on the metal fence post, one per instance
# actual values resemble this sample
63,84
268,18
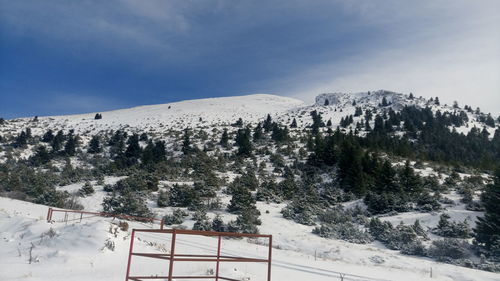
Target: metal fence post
130,254
49,214
269,258
218,260
172,253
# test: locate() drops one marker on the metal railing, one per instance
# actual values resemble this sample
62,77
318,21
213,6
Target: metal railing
174,257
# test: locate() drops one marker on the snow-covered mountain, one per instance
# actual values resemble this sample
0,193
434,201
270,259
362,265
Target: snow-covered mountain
37,169
203,113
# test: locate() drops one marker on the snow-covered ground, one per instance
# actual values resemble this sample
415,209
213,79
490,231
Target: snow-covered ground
77,251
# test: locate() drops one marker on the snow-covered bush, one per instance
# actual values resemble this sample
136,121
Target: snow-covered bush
177,217
449,249
346,231
447,228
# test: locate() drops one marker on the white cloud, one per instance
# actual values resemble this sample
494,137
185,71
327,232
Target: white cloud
460,61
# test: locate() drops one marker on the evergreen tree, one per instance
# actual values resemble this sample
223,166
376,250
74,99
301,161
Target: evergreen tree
224,141
163,199
385,178
86,190
71,145
350,171
487,231
317,122
186,143
41,156
58,141
294,123
159,151
268,123
147,154
98,116
242,199
21,140
436,101
133,150
248,220
48,136
409,181
239,123
327,102
358,112
94,145
384,101
243,142
257,132
329,123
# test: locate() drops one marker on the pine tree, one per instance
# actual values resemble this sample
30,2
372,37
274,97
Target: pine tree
71,145
350,170
58,141
224,141
242,199
409,181
329,123
327,102
48,136
21,140
94,145
385,180
384,101
294,123
133,149
243,142
147,154
159,151
487,231
257,132
317,122
186,143
41,156
436,101
86,190
268,123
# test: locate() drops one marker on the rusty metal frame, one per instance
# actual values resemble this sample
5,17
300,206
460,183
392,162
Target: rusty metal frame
51,211
173,256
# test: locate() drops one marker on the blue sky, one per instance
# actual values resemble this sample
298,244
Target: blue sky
62,57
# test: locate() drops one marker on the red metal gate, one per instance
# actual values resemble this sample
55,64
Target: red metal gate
175,257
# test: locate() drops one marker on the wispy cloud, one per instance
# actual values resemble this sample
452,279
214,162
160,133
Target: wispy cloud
177,48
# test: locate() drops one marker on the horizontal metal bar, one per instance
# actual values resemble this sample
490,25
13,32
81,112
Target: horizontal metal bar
102,214
229,279
200,258
138,278
203,233
221,260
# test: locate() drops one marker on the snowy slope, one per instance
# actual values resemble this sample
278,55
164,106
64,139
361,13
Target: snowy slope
179,115
206,113
76,251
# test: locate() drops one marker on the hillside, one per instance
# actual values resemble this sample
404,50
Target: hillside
376,185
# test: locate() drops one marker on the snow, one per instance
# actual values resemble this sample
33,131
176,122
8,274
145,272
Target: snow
76,251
